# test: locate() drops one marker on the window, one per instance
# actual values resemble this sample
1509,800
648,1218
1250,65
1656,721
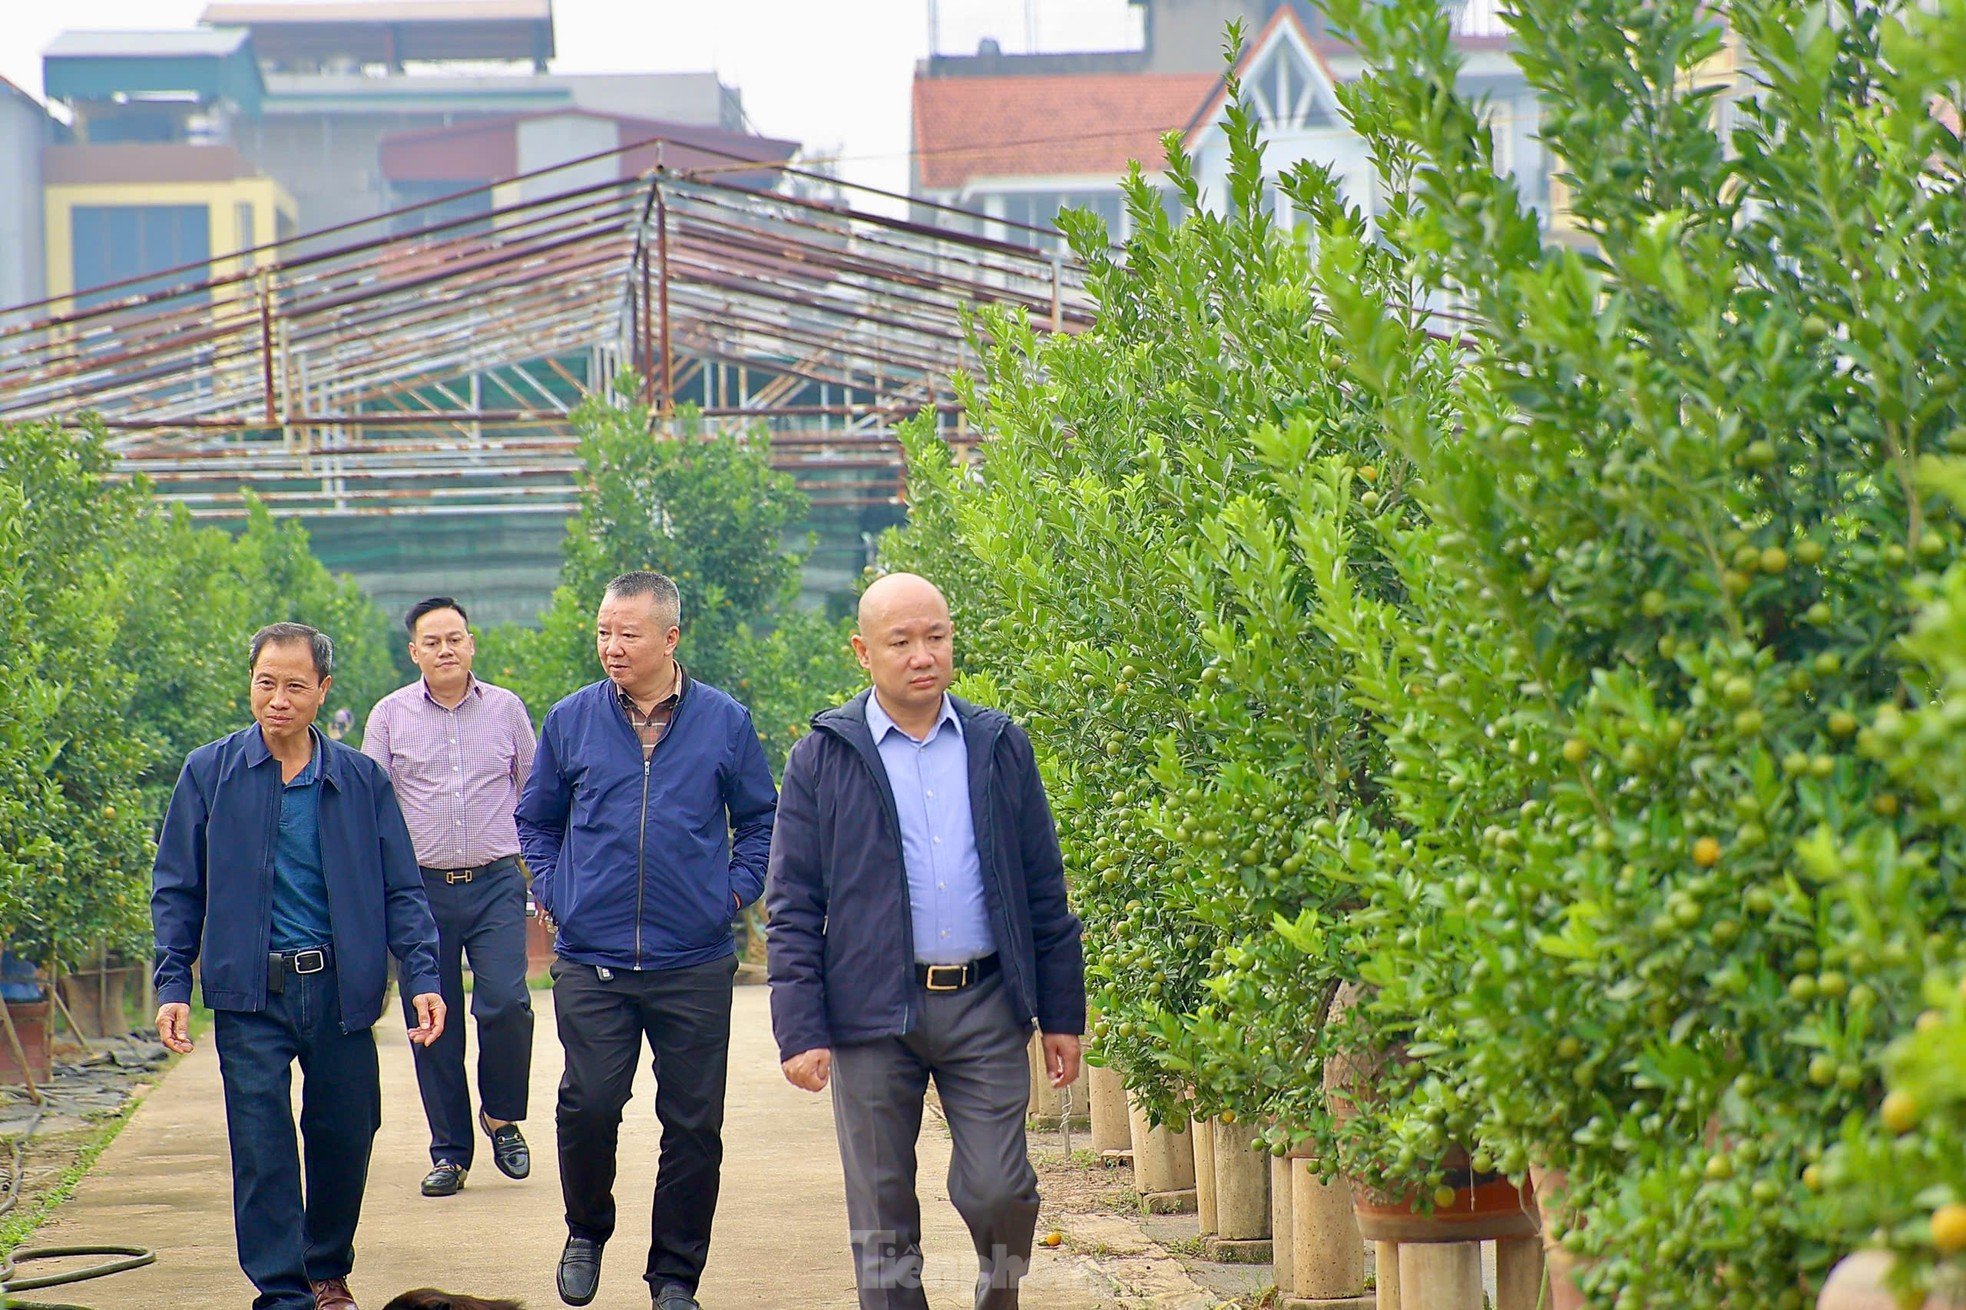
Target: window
242,217
1501,129
1287,94
114,242
142,122
1040,209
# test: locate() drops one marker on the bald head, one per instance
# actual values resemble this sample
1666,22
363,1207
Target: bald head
906,644
898,594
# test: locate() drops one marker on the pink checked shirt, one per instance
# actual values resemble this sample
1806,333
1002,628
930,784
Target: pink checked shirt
457,772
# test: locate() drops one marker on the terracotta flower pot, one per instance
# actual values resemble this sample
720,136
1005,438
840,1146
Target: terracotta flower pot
1551,1189
36,1039
1486,1206
97,998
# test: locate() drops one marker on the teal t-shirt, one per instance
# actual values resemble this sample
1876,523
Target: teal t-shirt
300,888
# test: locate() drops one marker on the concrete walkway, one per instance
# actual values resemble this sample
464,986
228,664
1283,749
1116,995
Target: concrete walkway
781,1226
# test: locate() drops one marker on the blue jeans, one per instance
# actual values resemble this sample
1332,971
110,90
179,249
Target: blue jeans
283,1242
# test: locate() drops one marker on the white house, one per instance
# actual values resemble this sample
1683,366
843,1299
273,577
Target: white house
1019,137
25,133
1290,71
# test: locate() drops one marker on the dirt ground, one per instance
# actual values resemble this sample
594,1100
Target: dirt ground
1148,1261
84,1101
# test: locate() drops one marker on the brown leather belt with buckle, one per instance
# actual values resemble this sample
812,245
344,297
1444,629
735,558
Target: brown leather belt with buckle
955,977
452,877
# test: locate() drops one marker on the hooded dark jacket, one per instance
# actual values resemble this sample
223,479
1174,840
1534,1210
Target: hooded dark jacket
841,954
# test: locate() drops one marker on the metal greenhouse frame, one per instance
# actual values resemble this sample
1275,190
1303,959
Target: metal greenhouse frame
413,362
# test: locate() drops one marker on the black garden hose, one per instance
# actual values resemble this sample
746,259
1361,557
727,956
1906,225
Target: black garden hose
126,1257
129,1257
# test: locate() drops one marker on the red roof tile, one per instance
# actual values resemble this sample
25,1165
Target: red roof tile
1043,126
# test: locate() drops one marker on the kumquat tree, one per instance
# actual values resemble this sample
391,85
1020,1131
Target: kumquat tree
1496,688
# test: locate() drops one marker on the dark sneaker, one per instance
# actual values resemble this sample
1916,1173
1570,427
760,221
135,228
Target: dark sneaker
509,1151
447,1179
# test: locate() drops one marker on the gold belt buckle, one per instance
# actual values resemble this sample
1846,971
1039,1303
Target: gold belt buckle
458,875
961,972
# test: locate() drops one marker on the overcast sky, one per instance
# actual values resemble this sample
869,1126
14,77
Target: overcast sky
830,73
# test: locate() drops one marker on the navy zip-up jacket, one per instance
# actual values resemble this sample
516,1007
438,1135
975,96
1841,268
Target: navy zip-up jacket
841,952
643,864
212,886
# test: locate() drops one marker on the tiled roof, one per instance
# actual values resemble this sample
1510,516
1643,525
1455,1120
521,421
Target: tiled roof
1047,126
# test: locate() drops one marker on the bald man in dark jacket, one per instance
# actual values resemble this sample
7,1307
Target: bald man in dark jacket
920,927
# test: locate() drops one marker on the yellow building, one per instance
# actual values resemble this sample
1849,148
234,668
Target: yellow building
139,211
155,194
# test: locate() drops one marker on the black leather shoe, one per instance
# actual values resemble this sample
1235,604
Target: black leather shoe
580,1271
674,1296
447,1179
509,1150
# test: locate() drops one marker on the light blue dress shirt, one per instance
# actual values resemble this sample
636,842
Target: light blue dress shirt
930,781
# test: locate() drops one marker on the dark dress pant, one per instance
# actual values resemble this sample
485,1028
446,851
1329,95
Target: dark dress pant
973,1046
684,1015
283,1240
482,922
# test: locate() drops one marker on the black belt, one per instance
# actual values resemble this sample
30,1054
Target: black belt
955,977
466,875
302,964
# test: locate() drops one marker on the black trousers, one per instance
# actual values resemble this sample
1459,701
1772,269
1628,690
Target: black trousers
283,1241
685,1016
482,921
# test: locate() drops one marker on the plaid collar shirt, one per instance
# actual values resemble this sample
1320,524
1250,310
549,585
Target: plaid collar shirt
652,726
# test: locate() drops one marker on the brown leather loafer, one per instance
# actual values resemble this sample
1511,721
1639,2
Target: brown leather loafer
332,1294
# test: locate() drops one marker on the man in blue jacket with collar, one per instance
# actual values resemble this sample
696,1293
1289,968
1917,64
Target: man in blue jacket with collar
920,928
645,822
285,871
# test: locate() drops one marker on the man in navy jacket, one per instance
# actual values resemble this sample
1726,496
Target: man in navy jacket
645,822
285,871
919,928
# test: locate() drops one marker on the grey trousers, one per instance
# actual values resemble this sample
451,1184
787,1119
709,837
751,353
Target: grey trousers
974,1047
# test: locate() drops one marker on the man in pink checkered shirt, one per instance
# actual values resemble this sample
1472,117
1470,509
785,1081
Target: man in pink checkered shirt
458,750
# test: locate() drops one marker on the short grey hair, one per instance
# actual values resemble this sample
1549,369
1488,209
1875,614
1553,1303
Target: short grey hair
646,582
295,634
